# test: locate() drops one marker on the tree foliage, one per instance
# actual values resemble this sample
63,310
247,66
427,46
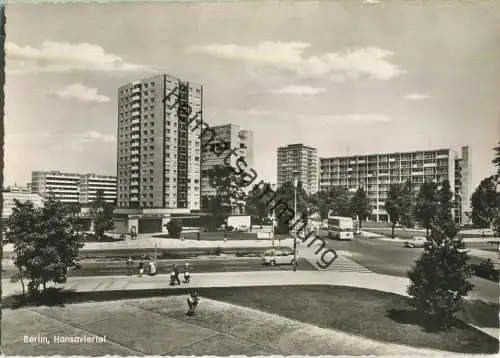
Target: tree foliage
496,159
45,242
227,187
101,213
440,277
174,227
256,204
392,205
426,205
485,202
360,205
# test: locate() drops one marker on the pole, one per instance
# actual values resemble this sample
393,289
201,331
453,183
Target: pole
272,225
295,227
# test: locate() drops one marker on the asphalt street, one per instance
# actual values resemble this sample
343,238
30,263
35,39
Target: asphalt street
392,258
111,268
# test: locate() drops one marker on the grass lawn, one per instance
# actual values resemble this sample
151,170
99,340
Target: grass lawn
376,315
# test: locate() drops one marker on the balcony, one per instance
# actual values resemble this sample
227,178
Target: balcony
134,183
136,113
134,152
136,105
135,136
134,198
135,168
135,144
134,175
134,160
136,98
136,90
134,191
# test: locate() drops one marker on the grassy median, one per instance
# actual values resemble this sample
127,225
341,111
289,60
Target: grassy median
372,314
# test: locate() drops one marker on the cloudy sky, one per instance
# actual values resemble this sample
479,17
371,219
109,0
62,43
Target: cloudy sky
343,76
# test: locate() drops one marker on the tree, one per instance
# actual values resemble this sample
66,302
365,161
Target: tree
45,242
405,204
360,205
101,213
256,203
336,202
174,227
440,277
496,159
392,205
426,205
485,202
227,189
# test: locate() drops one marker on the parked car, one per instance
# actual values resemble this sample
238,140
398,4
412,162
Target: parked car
416,242
242,228
278,257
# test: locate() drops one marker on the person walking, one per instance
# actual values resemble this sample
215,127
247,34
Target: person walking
152,268
187,274
141,267
130,264
177,281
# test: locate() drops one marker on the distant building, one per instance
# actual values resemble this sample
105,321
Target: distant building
376,172
73,187
9,197
239,139
300,160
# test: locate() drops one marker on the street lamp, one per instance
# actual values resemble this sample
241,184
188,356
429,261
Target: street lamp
295,185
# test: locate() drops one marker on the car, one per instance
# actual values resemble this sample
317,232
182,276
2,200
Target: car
416,242
278,257
242,228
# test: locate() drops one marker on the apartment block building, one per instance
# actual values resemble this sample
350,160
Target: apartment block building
376,172
301,161
158,152
73,187
239,139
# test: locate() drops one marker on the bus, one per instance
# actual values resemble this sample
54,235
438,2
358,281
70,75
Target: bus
341,228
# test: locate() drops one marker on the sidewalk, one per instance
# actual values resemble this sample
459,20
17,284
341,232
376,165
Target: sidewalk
371,281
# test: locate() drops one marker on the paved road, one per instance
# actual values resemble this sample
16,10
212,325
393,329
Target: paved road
392,258
110,268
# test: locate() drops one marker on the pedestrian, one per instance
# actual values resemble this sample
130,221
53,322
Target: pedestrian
176,275
130,263
152,268
187,274
141,267
192,302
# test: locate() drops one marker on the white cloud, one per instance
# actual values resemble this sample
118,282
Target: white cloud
299,90
417,96
64,56
371,62
96,136
319,119
81,93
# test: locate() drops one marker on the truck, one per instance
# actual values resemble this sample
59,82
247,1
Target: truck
239,223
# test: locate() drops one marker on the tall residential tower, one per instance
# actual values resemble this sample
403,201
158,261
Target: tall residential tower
158,151
300,160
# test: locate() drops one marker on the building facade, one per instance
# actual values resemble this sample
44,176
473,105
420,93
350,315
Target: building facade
158,158
376,172
73,187
239,139
9,197
301,161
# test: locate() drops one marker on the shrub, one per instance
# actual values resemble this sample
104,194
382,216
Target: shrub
174,227
218,251
486,269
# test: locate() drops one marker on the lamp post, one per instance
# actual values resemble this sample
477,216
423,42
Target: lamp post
295,184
